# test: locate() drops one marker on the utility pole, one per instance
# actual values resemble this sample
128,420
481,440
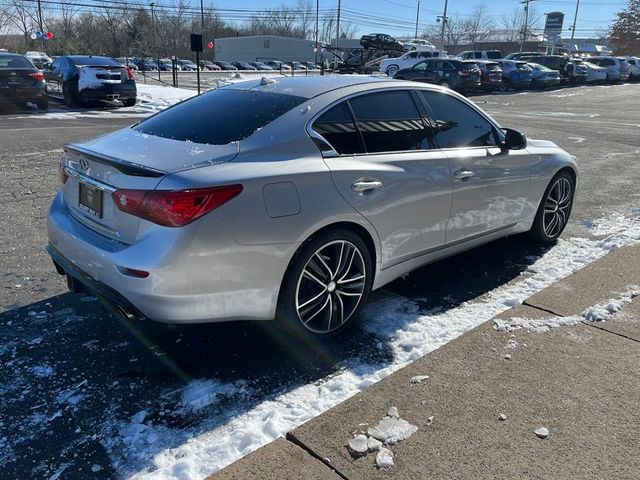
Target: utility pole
444,23
153,31
44,43
315,47
526,22
338,33
575,19
417,19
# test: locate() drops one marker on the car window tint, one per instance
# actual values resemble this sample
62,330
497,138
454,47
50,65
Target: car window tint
337,127
421,66
459,125
219,117
390,122
14,61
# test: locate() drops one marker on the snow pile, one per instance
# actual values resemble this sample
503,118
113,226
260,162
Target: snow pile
407,330
596,313
154,98
203,393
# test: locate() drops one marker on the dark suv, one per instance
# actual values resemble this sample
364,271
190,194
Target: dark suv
571,71
449,73
380,41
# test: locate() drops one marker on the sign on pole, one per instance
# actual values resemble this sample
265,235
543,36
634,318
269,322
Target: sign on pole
553,26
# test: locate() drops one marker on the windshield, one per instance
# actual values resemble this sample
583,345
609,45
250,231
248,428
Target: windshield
219,117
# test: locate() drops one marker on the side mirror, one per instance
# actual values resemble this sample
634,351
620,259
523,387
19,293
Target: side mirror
514,140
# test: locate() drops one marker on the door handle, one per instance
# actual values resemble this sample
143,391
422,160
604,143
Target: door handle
463,174
366,184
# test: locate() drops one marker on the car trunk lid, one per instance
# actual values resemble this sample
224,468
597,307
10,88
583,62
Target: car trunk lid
126,160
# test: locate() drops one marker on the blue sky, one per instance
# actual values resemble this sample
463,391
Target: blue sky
398,17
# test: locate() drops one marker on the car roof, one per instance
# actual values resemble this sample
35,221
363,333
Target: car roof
309,87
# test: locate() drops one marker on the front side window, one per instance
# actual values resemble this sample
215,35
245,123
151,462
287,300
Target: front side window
219,117
459,125
421,66
390,122
337,127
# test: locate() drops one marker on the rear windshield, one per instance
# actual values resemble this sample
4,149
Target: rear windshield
91,61
492,66
14,61
219,117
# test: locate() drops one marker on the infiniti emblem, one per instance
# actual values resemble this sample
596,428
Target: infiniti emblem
84,165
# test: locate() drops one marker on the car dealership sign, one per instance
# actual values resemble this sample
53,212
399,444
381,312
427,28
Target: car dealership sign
553,26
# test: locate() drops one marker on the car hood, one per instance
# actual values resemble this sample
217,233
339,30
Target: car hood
162,154
541,143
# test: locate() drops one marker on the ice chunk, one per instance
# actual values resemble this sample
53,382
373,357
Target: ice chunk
542,432
384,458
359,444
502,417
373,445
393,412
419,378
392,430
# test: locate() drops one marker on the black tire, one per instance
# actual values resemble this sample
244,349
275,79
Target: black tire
43,103
543,229
70,96
129,102
392,70
333,308
444,83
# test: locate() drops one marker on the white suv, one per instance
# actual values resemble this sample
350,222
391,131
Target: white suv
634,65
390,66
480,55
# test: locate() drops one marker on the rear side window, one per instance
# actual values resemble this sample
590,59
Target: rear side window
459,125
219,117
337,127
390,122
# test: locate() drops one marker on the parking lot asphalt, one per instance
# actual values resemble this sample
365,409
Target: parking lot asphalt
74,371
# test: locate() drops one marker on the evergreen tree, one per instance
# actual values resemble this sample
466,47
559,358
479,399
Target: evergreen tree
625,32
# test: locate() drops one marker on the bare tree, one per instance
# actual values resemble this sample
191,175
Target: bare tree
478,25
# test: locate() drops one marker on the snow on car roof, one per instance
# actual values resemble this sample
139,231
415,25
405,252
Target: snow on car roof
310,87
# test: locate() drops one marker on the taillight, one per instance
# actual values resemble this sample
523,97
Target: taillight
64,176
130,73
39,76
173,208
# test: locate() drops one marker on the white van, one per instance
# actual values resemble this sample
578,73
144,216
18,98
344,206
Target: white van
391,65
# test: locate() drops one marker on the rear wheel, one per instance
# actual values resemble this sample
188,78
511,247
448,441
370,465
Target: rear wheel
392,70
444,83
43,103
554,210
328,281
129,102
70,96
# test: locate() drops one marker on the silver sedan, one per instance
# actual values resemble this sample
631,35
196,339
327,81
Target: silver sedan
292,199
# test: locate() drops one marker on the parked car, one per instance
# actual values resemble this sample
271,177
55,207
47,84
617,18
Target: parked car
278,65
40,59
166,65
571,70
127,62
381,41
490,75
520,55
311,65
543,77
449,73
21,82
82,78
146,64
225,65
515,74
209,65
634,68
617,71
187,65
418,44
390,66
479,55
260,66
173,238
243,66
595,73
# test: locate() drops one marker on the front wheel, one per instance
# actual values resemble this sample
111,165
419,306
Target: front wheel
554,210
327,283
392,70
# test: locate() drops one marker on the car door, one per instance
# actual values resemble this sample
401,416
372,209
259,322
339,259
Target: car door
385,167
53,76
490,185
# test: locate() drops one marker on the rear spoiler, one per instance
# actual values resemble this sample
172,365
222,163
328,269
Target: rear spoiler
128,168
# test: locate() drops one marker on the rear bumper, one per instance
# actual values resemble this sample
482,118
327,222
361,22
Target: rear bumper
197,273
21,95
109,92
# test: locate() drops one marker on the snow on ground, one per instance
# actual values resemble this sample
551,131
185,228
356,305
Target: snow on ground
143,450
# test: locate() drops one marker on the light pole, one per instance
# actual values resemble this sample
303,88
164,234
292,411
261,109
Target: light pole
315,47
526,23
444,23
337,33
575,19
153,32
417,19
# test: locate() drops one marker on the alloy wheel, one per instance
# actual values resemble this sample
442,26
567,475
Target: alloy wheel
330,286
557,207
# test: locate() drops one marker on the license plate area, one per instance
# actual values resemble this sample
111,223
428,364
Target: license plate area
90,199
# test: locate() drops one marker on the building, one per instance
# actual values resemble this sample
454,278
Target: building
261,48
